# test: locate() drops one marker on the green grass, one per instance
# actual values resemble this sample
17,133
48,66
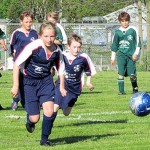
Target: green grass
100,120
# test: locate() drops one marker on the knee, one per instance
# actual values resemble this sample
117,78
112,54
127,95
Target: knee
34,118
56,107
133,77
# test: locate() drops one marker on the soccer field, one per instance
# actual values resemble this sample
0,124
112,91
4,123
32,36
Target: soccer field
100,120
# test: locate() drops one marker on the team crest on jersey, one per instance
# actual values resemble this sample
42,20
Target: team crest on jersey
130,37
32,39
38,69
76,68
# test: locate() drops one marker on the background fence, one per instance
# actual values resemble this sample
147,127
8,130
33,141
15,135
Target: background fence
96,38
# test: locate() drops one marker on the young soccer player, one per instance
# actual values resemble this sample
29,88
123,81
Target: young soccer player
126,43
39,56
3,44
19,39
76,63
54,17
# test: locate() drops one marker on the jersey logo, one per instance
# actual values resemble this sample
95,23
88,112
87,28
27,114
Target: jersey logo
38,69
32,39
130,37
76,68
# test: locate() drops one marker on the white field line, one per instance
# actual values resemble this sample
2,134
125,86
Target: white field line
83,117
76,116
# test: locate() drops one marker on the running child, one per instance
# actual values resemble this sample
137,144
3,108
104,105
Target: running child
19,39
38,57
76,63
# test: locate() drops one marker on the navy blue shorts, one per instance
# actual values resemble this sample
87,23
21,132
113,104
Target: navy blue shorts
36,92
67,101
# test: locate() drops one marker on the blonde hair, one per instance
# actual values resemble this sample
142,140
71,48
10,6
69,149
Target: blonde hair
54,15
47,25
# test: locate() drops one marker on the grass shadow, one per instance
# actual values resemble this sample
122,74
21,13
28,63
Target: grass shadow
90,92
96,122
75,139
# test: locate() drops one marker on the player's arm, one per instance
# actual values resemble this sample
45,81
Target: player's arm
15,88
113,57
136,54
59,37
24,55
88,83
2,41
114,48
61,70
89,71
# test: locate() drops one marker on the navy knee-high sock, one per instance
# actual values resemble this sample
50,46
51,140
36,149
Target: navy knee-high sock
47,125
16,99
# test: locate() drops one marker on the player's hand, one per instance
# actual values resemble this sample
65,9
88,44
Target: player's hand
4,47
90,86
53,72
134,57
63,91
112,62
14,92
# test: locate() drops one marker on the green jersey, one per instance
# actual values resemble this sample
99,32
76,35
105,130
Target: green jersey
2,34
126,41
59,37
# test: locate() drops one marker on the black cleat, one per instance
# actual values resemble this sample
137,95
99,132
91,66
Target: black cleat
30,127
1,108
123,93
135,90
0,75
45,143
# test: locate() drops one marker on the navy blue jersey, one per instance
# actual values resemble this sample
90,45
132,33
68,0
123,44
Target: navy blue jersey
20,39
37,62
74,68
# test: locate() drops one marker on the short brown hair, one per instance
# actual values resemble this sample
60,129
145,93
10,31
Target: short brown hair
124,16
26,14
74,37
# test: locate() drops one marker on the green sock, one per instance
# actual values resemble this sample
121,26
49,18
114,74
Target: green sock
121,85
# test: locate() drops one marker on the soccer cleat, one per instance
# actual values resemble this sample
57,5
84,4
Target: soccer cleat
1,108
0,75
30,127
123,93
14,106
135,90
45,143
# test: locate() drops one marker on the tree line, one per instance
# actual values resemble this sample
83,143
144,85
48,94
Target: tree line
73,11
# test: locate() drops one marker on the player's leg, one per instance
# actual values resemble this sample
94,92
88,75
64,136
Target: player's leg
47,123
33,115
46,94
121,71
15,101
121,85
32,105
68,103
132,74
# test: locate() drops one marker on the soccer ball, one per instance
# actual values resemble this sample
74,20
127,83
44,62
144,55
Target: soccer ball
140,104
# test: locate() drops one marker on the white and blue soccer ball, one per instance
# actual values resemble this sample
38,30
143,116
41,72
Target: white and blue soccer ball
140,104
